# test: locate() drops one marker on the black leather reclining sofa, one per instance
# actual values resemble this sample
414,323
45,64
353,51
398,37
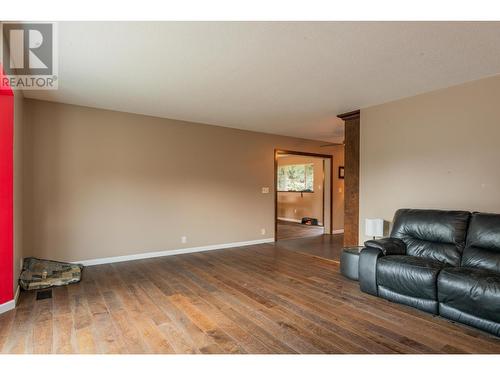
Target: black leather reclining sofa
442,262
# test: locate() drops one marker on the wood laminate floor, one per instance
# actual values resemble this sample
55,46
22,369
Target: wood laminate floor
255,299
288,230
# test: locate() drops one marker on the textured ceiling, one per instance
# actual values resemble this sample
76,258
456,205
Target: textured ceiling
289,78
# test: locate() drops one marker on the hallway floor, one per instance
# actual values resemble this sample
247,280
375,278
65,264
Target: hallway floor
325,246
288,230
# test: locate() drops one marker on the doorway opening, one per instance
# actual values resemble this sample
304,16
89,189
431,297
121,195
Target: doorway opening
303,194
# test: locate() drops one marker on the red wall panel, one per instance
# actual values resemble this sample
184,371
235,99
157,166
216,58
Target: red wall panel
6,193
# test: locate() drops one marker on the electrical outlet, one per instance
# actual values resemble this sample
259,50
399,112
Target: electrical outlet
265,190
184,239
263,231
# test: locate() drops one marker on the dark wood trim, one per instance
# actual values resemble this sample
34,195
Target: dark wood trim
301,153
331,195
351,177
323,208
275,172
353,115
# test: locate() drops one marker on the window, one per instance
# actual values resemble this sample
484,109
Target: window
296,177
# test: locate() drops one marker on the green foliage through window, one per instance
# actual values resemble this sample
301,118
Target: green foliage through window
296,177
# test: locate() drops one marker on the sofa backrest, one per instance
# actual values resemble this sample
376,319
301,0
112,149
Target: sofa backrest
482,249
432,234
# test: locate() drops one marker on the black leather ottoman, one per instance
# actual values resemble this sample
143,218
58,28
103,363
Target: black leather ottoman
349,260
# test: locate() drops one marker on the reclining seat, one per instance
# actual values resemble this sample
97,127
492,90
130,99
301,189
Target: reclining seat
470,294
404,268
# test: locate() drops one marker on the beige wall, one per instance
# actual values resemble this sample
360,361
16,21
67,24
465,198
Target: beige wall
18,184
102,183
295,206
436,150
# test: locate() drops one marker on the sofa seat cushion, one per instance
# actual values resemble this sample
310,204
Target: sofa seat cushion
409,275
471,290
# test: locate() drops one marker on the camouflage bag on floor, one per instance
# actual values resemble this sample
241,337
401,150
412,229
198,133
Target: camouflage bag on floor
41,273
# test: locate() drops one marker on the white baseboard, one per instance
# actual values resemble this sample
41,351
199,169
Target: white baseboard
337,231
10,305
16,296
164,253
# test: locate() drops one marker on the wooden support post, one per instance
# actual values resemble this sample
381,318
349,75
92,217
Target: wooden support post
351,179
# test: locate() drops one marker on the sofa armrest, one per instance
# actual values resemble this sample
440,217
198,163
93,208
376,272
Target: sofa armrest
368,269
368,258
388,246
